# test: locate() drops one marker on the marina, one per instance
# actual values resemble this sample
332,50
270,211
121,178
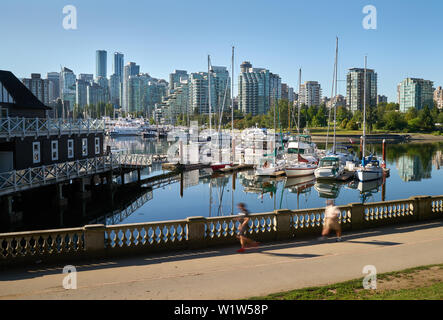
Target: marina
414,170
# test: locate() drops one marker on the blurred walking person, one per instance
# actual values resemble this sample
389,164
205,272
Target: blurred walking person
332,213
243,230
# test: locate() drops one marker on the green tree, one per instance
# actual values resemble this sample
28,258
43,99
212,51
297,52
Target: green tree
425,117
394,121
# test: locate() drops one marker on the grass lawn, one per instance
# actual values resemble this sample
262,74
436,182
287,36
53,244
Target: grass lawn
422,283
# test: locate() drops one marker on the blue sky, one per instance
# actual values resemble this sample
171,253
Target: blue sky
281,35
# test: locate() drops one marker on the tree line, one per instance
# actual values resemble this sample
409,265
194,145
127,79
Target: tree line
383,117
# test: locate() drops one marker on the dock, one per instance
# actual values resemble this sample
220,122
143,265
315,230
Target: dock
237,168
184,167
277,174
346,176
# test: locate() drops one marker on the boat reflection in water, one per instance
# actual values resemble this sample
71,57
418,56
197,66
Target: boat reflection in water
328,190
367,188
300,184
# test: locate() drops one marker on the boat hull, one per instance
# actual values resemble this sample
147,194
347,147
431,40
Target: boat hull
327,173
217,167
369,175
299,172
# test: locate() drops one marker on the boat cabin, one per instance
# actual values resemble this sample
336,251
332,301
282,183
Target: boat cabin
330,162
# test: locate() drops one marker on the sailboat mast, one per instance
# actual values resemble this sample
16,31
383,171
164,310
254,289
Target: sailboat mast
209,95
275,127
298,103
335,97
364,111
232,106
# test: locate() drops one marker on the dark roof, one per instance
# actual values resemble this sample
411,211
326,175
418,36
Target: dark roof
22,96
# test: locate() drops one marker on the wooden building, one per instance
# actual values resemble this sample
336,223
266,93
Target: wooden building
29,138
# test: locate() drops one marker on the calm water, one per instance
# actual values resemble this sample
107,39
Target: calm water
415,170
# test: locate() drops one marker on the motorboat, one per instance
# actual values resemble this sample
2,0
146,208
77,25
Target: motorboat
329,168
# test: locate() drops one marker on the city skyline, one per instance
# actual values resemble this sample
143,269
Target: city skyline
171,47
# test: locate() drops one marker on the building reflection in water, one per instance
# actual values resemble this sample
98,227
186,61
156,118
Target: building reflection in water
437,161
411,168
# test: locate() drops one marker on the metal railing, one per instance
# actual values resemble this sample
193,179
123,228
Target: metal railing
19,180
34,127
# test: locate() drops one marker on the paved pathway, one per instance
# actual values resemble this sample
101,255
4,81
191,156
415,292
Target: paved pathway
225,274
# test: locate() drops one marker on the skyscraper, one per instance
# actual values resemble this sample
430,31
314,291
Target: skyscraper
54,86
115,86
38,86
258,88
176,77
438,97
355,88
88,77
101,63
131,69
310,93
81,92
415,93
67,88
118,65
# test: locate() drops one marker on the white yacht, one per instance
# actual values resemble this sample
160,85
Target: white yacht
370,168
330,168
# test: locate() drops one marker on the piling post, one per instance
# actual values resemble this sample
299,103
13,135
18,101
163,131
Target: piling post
384,153
59,199
181,184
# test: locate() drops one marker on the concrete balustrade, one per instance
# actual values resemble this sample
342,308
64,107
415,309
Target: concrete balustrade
93,241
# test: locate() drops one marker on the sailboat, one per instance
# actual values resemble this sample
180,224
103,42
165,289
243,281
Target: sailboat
220,164
370,168
303,165
331,166
269,167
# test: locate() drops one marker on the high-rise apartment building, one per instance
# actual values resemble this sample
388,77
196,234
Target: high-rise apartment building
115,87
310,93
258,89
67,88
101,62
118,65
39,87
144,92
382,99
95,94
415,93
355,88
176,77
438,98
81,92
54,86
131,69
177,103
88,77
220,90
